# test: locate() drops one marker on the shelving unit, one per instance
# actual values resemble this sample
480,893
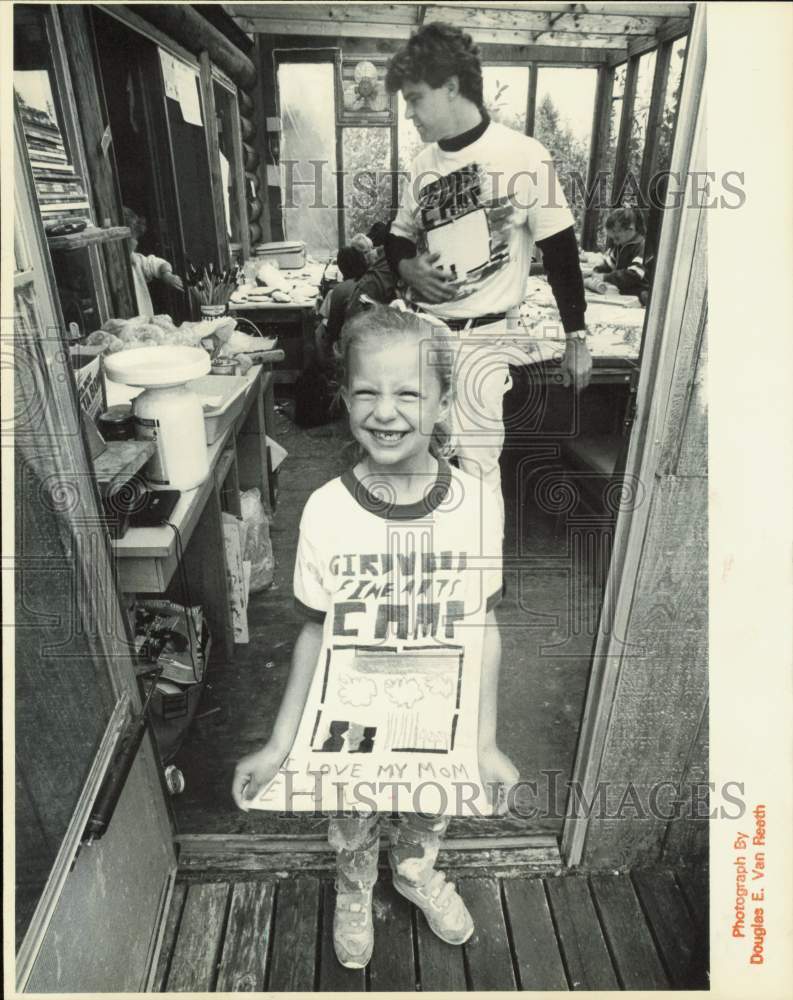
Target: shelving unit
148,559
88,237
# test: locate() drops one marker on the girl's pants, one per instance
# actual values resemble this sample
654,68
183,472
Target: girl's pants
414,844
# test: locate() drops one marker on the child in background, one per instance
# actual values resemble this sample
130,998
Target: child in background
396,382
623,264
351,263
147,268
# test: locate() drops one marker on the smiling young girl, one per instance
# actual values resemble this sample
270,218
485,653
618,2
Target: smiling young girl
436,596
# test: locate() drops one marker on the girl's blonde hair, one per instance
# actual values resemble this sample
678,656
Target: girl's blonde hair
379,324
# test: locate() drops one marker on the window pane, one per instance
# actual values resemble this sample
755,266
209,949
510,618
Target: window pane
506,91
641,109
617,101
309,134
366,156
671,102
409,144
563,124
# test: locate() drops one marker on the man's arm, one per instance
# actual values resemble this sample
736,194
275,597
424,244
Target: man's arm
428,282
560,259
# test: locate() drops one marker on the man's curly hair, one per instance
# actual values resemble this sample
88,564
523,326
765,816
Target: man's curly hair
434,53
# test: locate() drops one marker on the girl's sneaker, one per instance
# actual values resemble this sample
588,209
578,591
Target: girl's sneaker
442,905
353,932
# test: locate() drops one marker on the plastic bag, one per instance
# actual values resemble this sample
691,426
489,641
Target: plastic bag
258,547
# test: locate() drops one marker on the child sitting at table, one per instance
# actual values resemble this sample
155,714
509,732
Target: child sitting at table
623,263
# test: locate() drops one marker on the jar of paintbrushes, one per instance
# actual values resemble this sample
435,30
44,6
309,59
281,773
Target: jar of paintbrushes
210,288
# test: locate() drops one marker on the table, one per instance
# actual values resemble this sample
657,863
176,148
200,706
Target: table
291,322
147,559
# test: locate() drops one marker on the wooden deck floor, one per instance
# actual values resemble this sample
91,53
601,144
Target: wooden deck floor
643,930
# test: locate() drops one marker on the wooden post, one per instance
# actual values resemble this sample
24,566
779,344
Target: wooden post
213,152
643,720
94,121
655,114
626,124
601,125
531,100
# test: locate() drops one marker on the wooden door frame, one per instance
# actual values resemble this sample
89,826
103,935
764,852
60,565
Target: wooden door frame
645,455
94,569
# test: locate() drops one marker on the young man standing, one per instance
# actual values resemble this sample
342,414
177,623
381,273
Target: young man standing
480,196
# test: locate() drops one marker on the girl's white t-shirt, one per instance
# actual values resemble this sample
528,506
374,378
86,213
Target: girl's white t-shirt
402,592
482,208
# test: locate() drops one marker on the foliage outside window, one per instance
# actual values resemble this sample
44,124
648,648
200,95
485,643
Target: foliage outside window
638,135
366,155
671,102
506,92
563,124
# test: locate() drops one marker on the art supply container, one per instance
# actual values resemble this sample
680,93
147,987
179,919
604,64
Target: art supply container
168,412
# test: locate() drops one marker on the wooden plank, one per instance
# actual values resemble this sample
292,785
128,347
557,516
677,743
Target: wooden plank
441,966
213,156
658,362
333,976
626,125
580,936
539,963
692,459
694,885
636,960
294,959
687,838
169,926
601,127
89,236
487,953
531,99
654,116
243,963
673,29
670,923
198,940
93,122
393,965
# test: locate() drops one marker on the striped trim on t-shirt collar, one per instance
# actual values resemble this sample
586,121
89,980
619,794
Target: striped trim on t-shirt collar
390,511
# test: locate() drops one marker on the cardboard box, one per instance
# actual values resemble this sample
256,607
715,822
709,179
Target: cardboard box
88,374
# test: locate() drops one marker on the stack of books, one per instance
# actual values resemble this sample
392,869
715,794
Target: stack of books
60,190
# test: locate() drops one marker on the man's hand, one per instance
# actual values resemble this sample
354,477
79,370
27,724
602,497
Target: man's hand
253,773
173,280
498,775
429,283
576,364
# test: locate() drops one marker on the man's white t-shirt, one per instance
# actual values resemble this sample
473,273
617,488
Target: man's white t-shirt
483,208
402,592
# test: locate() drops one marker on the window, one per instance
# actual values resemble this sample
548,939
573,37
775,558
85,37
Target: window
308,155
641,110
563,124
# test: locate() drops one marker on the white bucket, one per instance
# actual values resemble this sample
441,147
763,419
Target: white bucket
174,418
